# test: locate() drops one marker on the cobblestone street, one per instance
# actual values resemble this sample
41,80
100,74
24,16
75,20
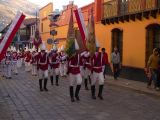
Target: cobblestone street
20,99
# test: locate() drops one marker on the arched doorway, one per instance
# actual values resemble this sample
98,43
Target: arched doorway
152,39
117,40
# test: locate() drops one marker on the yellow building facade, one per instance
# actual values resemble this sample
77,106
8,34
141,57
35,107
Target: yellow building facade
131,25
45,22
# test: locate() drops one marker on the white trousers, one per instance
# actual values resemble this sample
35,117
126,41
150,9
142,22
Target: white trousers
34,69
14,66
8,70
27,66
42,74
19,63
55,71
97,77
87,73
75,79
63,69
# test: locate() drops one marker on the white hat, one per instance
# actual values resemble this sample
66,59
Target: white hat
26,48
8,49
33,49
76,44
43,46
97,43
14,49
62,48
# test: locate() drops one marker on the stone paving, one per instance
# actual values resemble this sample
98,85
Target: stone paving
20,99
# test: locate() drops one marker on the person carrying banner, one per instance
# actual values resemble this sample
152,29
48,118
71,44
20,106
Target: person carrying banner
74,73
97,73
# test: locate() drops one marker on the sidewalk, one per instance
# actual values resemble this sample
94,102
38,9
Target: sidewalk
133,85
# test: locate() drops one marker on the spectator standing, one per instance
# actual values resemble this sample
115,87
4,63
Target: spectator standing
115,62
152,67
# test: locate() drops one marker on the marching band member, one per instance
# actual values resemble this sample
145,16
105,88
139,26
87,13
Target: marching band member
54,63
74,74
27,60
43,63
63,64
15,59
34,63
19,61
97,72
86,67
8,62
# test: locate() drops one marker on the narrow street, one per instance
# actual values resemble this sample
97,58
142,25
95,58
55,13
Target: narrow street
20,99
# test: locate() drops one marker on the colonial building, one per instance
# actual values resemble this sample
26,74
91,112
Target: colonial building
131,25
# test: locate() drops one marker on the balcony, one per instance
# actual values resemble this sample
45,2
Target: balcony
116,11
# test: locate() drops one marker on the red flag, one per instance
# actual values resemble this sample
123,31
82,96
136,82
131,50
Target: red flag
81,25
5,43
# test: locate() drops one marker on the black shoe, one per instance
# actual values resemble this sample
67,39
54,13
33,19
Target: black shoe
72,100
46,89
51,78
41,89
100,92
86,84
94,97
57,78
40,84
93,92
71,93
77,92
100,97
45,84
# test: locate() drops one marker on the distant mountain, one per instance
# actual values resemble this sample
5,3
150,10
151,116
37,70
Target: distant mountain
9,8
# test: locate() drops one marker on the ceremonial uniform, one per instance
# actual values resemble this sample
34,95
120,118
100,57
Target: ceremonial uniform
34,64
54,63
86,71
8,62
97,74
27,60
63,64
14,61
43,63
74,76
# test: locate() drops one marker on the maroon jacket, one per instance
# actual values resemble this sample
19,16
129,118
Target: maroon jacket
97,62
74,63
28,57
43,61
54,60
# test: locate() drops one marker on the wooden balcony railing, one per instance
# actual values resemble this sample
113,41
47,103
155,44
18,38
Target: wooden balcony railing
115,8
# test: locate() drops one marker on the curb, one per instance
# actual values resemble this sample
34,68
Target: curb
141,91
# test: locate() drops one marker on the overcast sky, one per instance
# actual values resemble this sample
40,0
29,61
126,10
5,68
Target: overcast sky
59,3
